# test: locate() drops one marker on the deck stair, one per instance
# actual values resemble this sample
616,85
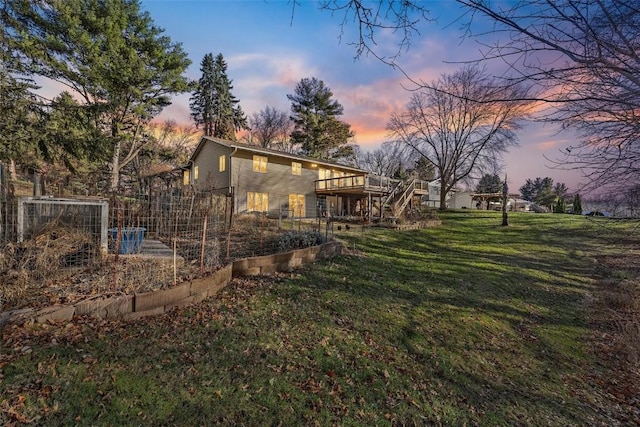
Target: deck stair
401,194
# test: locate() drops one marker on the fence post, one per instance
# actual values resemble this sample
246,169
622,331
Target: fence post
3,200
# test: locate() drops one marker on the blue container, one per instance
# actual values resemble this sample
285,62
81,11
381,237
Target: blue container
131,239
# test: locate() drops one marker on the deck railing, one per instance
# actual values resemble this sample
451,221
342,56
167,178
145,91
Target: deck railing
364,182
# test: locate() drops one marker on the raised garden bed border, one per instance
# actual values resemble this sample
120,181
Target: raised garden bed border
131,307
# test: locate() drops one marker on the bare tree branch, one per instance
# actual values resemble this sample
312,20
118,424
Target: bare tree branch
460,124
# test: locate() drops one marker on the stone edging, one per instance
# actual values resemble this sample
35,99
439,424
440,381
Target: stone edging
130,307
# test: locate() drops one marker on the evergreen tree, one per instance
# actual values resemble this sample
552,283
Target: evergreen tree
540,191
21,114
317,128
213,106
75,140
560,205
489,183
560,190
577,204
110,53
20,109
204,97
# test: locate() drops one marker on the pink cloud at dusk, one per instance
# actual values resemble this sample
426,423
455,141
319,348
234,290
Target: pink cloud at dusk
268,51
547,145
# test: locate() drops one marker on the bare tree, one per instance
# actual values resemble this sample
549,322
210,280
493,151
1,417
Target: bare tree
584,55
271,128
383,161
175,142
460,137
399,17
167,147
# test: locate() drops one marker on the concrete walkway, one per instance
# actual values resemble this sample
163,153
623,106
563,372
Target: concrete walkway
157,250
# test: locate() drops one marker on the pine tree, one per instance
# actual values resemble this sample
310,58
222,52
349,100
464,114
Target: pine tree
560,206
118,63
203,99
213,106
19,106
541,191
489,183
577,204
317,128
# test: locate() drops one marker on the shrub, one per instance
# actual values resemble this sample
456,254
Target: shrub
298,239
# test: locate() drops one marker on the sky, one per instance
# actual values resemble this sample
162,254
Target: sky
270,45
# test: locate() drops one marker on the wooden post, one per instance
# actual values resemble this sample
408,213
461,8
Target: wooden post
204,239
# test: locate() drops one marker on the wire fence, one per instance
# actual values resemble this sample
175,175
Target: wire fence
63,250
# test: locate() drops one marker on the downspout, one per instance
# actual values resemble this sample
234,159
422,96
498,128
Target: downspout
233,197
189,167
235,150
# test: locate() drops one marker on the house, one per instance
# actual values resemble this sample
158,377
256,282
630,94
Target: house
432,196
279,183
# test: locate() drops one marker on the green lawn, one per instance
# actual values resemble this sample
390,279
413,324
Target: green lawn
468,323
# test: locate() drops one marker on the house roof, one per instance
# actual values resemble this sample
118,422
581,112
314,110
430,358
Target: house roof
261,150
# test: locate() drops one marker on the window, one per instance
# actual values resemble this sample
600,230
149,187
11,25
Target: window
195,172
222,163
186,177
296,168
257,202
324,174
260,164
296,205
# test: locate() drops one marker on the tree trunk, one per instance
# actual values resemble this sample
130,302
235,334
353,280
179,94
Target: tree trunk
505,189
13,174
115,167
443,196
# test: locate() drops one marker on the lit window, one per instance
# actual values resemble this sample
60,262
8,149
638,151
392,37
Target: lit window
257,202
296,204
260,164
324,176
296,168
222,163
195,173
185,177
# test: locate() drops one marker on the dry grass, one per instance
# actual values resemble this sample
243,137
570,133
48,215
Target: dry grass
619,303
61,265
25,266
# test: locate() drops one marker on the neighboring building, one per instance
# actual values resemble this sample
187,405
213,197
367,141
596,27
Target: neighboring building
432,197
264,180
519,205
487,201
462,200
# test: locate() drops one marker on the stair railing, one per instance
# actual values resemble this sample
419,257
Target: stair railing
403,199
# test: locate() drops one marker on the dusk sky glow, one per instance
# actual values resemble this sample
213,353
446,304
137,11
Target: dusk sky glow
269,47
